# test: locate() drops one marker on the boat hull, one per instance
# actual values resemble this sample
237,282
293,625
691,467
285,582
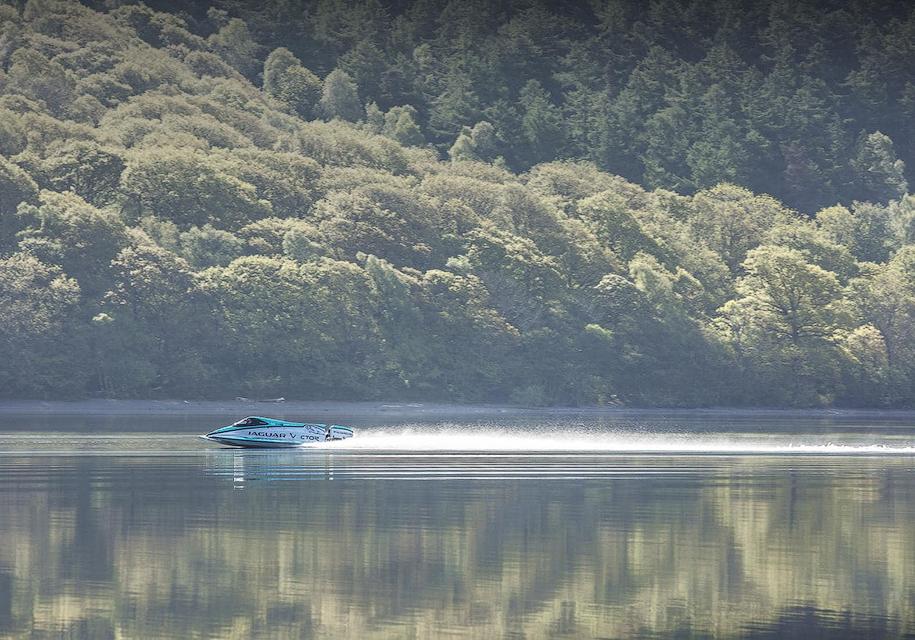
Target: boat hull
277,434
253,444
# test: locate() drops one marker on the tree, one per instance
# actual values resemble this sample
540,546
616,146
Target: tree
838,225
287,80
542,124
867,366
477,143
389,222
12,133
815,245
65,230
873,240
880,175
84,167
783,325
206,247
190,189
37,303
469,342
152,313
226,239
524,284
269,339
235,44
719,153
400,125
339,97
374,117
287,181
463,149
732,220
794,295
303,241
403,324
365,64
34,76
289,328
15,186
456,105
884,298
609,216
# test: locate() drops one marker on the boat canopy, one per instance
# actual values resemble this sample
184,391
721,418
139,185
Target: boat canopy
250,421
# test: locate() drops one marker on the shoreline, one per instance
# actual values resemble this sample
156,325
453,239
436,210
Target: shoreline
392,408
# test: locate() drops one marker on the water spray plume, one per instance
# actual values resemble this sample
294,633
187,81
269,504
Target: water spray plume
454,438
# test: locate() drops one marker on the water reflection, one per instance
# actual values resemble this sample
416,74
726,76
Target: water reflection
218,543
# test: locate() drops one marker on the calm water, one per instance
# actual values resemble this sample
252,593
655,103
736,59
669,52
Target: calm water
533,526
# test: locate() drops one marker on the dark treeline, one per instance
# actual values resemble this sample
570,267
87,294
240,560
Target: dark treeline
467,200
782,97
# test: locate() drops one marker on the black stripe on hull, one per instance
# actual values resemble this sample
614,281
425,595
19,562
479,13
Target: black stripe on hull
256,444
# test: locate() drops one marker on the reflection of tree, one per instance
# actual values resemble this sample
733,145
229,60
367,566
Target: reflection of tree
753,550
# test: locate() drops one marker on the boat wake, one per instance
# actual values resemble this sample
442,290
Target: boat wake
459,439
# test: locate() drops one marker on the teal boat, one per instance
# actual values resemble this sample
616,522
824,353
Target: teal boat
258,431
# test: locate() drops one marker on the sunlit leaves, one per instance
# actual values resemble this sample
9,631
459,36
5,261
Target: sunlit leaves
207,234
287,80
37,302
189,188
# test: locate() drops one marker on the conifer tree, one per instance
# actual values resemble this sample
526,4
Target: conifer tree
542,124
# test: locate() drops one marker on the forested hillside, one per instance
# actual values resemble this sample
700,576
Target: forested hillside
681,203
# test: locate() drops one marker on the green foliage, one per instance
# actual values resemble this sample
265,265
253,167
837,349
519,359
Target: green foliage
476,143
883,298
287,181
339,97
400,125
816,247
12,133
781,327
792,295
142,69
303,241
334,143
479,202
190,189
523,283
873,240
295,309
291,83
541,123
84,167
235,44
881,174
65,230
36,304
151,317
206,247
15,186
732,220
388,222
32,75
611,219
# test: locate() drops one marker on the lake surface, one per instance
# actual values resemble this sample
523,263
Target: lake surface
495,525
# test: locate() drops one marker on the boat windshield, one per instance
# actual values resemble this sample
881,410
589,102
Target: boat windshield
250,422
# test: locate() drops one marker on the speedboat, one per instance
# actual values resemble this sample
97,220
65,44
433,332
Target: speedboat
256,431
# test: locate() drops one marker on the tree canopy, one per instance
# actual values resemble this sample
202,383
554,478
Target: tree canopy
672,203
